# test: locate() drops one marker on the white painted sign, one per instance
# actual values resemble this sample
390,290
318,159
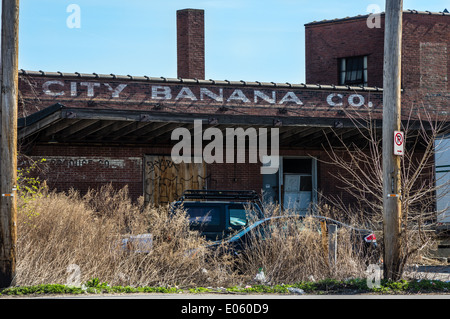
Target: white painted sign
160,93
399,142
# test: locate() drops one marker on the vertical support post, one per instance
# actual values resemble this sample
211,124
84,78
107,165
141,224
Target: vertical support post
332,230
325,242
8,155
391,122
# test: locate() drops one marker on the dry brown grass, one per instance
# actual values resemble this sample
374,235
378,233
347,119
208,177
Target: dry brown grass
56,230
288,255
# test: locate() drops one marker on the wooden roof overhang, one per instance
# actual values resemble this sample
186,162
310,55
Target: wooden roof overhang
61,124
94,109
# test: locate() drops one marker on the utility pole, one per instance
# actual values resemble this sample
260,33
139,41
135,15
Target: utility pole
392,203
8,154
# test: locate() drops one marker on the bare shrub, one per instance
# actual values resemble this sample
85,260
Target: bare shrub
116,204
178,256
57,230
293,250
67,229
61,231
358,172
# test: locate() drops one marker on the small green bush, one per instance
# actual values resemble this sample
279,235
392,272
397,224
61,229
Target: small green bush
328,286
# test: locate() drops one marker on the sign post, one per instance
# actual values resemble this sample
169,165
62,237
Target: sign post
392,205
399,142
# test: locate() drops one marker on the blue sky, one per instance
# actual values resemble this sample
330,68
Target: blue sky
251,40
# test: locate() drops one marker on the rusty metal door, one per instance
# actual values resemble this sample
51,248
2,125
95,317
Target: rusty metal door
165,181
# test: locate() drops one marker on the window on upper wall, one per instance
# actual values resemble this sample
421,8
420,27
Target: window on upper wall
353,71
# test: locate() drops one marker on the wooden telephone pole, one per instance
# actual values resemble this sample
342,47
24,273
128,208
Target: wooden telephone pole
392,203
8,154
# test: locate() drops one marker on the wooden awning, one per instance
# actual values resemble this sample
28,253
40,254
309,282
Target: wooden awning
60,124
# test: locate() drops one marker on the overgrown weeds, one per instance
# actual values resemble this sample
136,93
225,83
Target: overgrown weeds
68,239
292,250
86,231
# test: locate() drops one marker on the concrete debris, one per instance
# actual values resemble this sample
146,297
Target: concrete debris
296,291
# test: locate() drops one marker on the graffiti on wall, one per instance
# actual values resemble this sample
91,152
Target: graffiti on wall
165,181
67,162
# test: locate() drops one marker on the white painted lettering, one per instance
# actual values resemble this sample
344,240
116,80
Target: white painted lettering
161,93
186,93
115,92
46,87
358,97
332,98
291,97
57,88
90,87
73,88
216,97
265,97
238,95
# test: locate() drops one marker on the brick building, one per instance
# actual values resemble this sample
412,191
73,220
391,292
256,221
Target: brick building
95,129
336,44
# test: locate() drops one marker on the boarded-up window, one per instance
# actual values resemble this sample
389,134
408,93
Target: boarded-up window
165,181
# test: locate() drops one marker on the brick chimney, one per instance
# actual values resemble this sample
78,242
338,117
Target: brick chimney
191,43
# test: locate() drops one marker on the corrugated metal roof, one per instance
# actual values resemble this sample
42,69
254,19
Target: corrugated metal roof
409,11
145,78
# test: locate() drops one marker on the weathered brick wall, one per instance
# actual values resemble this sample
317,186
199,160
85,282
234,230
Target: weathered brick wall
425,56
426,62
38,91
84,167
191,44
425,80
327,42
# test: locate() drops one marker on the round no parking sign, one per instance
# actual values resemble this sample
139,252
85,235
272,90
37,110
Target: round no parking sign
399,141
